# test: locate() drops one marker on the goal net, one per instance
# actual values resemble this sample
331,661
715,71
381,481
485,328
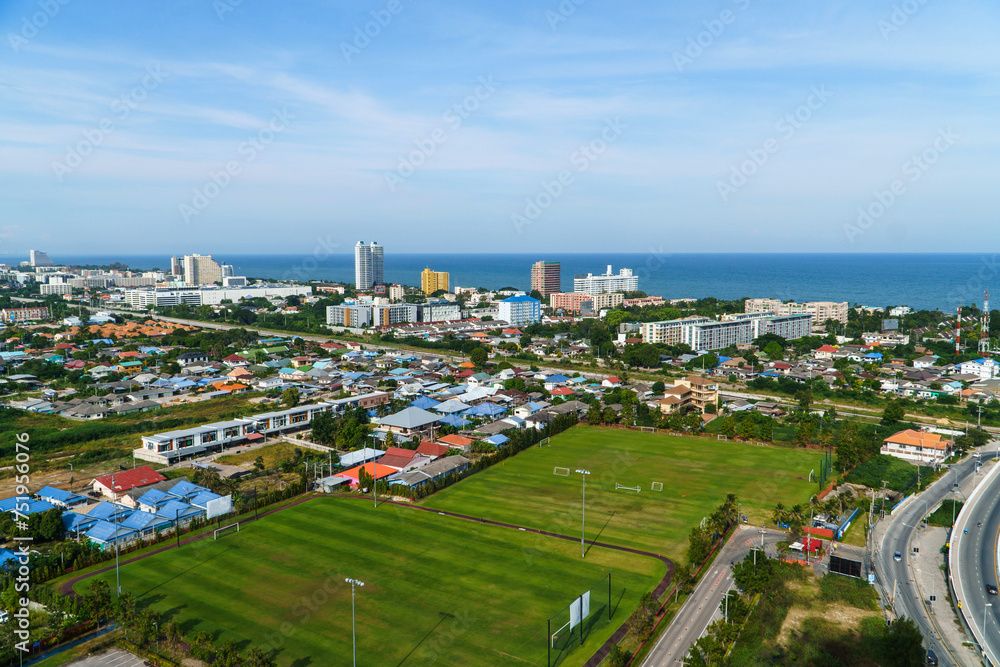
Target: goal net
225,530
543,442
722,437
656,486
562,472
648,429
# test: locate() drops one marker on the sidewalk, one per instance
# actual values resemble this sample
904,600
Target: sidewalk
929,579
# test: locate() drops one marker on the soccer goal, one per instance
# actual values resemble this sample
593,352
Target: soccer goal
543,442
656,486
622,487
648,429
225,530
722,437
562,472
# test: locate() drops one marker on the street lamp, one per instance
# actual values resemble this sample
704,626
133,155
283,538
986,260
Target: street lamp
354,635
583,532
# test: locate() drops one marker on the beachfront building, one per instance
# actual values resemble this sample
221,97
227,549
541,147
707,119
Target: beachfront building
369,265
623,281
432,281
820,311
546,278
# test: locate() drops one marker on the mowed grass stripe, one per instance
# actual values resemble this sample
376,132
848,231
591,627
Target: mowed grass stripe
438,588
696,474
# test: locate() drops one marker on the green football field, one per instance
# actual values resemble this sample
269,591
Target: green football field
438,590
696,474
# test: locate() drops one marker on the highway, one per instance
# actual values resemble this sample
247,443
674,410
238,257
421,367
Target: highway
974,564
898,577
702,607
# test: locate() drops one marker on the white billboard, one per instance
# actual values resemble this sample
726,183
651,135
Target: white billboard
218,507
579,609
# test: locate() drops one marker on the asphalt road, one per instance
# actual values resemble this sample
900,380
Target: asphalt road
977,562
898,537
702,607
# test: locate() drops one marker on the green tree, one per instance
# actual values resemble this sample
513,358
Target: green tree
97,600
767,430
904,644
258,464
747,429
256,657
658,387
774,351
893,414
593,416
479,356
290,397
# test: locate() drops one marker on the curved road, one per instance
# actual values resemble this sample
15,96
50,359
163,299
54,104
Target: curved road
976,562
898,576
702,606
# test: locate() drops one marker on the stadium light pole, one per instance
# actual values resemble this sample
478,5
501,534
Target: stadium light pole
583,532
354,633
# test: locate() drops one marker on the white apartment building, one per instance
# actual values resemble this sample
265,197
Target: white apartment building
368,265
396,313
354,315
623,281
396,292
702,333
209,296
520,310
201,270
667,332
820,311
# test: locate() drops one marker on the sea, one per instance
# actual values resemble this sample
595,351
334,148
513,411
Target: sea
921,281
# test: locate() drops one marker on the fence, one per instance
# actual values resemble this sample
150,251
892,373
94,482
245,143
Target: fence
570,627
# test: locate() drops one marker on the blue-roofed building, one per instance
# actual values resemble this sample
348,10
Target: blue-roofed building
145,524
486,410
557,378
496,440
175,510
75,523
185,489
27,508
106,534
425,403
202,499
455,420
60,498
108,511
154,499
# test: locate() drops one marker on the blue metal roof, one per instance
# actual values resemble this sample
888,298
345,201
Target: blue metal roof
51,493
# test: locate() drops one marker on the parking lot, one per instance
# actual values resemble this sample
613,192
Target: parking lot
113,657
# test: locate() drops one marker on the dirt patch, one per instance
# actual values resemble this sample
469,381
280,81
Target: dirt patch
838,613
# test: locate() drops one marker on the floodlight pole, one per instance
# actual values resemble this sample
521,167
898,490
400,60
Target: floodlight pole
354,632
583,532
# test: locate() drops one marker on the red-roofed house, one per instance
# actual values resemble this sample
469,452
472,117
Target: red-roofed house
373,469
118,484
236,361
456,442
825,352
562,391
611,382
432,449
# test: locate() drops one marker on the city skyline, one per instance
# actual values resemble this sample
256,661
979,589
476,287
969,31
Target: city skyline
726,127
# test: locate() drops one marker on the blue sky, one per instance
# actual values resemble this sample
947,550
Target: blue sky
583,126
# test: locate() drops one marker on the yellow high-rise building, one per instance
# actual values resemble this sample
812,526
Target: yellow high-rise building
432,281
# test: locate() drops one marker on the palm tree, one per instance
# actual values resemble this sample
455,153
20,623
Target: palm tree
780,514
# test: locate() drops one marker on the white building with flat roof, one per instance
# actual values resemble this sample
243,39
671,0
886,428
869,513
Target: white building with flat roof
623,281
368,265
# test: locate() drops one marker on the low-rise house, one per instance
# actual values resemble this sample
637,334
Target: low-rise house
918,446
449,465
117,484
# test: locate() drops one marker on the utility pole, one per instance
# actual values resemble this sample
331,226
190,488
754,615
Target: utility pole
354,633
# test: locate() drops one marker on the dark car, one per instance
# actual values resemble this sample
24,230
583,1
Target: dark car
931,658
898,557
991,589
